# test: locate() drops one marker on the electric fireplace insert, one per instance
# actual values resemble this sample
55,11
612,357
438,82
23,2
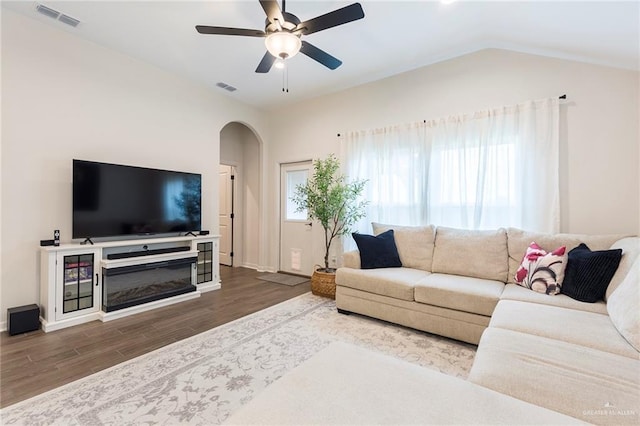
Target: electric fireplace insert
128,286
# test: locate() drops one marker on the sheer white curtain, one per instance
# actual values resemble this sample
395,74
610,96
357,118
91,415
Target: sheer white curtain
395,161
494,168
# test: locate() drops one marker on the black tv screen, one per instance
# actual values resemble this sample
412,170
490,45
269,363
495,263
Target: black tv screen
114,200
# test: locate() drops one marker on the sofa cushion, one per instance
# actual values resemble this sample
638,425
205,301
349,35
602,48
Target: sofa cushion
582,328
415,244
589,272
630,251
624,306
518,241
571,379
467,294
378,251
409,307
392,282
478,254
463,326
516,292
541,271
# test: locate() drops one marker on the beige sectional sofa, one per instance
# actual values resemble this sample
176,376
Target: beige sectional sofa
576,358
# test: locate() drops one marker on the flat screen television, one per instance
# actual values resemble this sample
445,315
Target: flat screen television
112,200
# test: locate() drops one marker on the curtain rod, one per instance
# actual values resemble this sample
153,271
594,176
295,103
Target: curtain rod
564,97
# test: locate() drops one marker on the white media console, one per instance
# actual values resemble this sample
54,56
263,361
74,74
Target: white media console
108,280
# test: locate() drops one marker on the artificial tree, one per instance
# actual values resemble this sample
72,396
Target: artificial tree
331,200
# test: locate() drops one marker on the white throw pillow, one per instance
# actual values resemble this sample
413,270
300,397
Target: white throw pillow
624,306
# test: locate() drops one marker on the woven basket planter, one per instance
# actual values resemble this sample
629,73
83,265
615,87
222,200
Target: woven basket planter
323,284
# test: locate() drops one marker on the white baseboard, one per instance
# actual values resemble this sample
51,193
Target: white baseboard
266,269
202,288
250,266
3,326
57,325
259,268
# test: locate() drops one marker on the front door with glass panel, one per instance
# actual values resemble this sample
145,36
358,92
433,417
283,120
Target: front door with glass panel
296,242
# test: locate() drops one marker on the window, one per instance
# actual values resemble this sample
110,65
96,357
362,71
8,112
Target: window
293,179
494,168
395,163
473,186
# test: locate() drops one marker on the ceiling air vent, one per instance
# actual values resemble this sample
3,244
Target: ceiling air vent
226,87
52,13
47,11
68,20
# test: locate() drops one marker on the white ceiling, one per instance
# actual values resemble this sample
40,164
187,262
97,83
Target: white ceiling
394,36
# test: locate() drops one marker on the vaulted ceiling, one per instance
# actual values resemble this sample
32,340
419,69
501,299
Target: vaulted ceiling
394,36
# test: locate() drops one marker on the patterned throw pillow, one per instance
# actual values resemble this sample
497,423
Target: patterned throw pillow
541,271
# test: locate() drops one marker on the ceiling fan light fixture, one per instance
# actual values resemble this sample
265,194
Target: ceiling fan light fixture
283,44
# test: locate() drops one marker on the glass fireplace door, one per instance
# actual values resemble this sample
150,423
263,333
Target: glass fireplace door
133,285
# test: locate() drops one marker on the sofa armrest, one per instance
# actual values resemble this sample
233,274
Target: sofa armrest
351,259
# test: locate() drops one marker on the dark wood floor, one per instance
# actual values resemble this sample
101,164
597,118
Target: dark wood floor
35,362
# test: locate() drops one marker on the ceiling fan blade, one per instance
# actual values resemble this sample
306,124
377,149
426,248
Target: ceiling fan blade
205,29
341,16
320,55
266,63
272,10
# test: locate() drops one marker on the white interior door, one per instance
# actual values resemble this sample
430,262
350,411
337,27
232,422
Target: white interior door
296,243
226,214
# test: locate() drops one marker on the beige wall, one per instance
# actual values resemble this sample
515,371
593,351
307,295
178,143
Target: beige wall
599,126
65,98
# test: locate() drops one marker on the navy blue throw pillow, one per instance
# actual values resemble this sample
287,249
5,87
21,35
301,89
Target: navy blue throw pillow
589,272
377,251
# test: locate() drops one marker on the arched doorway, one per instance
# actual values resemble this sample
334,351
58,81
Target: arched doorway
239,196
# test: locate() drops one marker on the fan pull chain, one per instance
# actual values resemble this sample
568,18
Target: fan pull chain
285,78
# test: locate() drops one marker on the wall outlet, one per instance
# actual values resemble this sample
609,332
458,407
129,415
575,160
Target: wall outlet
334,260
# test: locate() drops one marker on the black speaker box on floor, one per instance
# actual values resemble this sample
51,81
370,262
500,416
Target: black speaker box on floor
22,319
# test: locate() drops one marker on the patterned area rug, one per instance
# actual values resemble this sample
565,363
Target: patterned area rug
203,379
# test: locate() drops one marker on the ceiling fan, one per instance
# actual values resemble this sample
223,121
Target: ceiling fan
283,32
